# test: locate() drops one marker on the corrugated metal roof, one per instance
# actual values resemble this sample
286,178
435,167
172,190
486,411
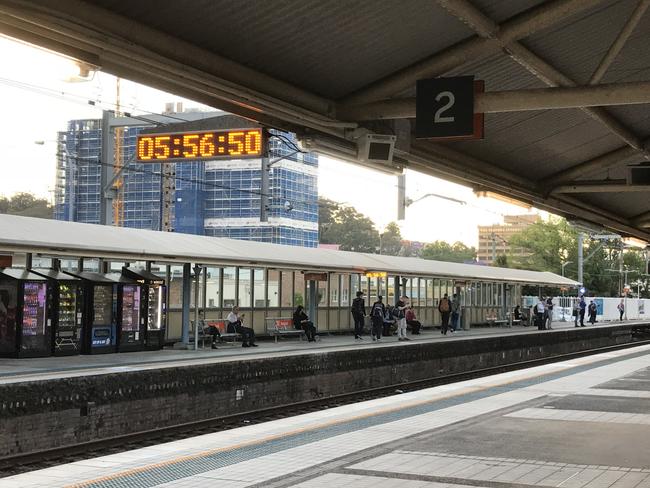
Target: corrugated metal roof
329,47
71,238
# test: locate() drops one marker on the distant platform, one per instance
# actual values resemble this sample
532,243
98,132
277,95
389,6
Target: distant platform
37,369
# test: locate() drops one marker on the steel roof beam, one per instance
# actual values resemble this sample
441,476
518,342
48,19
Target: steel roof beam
625,154
109,39
514,101
517,27
620,41
604,186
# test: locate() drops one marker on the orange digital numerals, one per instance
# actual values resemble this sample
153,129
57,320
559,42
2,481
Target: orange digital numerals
200,145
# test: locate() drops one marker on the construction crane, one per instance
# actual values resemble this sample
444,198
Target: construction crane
118,201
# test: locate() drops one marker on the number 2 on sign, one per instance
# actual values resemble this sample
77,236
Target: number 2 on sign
450,103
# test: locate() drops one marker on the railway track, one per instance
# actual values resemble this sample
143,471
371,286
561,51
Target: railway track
53,457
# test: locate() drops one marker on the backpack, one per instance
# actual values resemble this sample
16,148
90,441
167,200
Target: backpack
444,305
377,311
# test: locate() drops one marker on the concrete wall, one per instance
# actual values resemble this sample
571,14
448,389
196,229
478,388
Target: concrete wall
46,414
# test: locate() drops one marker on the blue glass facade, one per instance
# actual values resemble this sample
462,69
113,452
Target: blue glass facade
215,198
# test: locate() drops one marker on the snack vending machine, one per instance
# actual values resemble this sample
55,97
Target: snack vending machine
154,295
65,300
25,328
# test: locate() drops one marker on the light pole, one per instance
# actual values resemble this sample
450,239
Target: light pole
564,265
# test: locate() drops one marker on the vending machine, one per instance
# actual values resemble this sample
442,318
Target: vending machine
154,295
25,328
131,315
65,306
99,312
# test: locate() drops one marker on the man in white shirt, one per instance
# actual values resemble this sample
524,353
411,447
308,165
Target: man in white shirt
235,323
540,316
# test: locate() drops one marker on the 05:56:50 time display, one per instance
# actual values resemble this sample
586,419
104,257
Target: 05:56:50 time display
200,145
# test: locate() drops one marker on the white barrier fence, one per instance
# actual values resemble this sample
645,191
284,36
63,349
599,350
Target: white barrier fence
635,308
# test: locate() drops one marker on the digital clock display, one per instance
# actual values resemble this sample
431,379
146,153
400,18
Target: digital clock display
217,144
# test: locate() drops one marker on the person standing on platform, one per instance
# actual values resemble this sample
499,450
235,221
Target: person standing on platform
236,324
621,309
444,307
583,307
549,312
540,314
575,311
301,322
377,312
455,312
358,314
593,311
516,313
399,311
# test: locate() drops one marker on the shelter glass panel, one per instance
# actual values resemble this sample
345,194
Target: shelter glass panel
373,287
287,289
175,286
229,275
429,286
322,291
355,286
299,294
259,300
345,290
390,290
244,287
364,284
213,293
334,290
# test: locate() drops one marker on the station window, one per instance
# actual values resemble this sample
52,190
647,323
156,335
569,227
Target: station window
273,298
423,291
363,286
429,295
355,285
390,290
373,285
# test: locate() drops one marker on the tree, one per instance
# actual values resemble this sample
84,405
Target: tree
501,261
546,245
343,225
390,241
26,205
443,251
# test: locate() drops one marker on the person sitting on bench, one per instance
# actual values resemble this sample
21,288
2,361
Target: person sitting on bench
412,322
235,321
301,321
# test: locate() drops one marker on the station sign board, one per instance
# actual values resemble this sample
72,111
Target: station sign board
445,109
190,146
315,276
376,274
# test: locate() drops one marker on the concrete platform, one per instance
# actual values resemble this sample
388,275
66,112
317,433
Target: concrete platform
36,369
575,424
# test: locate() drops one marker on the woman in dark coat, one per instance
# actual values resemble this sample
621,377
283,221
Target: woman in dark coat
301,321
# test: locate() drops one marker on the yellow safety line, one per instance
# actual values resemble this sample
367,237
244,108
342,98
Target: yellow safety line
383,411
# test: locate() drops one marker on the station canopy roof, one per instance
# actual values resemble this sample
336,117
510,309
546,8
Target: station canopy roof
56,238
327,68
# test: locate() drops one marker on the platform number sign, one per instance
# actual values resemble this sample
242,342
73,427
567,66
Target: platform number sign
445,109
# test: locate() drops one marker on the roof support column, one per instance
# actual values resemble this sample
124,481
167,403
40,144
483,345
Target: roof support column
185,314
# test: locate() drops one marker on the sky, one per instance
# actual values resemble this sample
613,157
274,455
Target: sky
38,99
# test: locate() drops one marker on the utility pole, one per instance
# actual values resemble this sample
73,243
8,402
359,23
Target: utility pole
580,258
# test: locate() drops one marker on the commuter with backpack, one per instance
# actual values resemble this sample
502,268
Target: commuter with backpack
358,314
444,307
377,312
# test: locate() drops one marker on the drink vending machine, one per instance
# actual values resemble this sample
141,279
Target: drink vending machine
99,315
154,296
25,328
112,313
65,305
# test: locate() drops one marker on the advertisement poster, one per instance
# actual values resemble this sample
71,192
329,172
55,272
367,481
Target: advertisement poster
599,305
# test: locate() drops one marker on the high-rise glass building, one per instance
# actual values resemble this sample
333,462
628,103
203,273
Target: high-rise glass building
217,198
